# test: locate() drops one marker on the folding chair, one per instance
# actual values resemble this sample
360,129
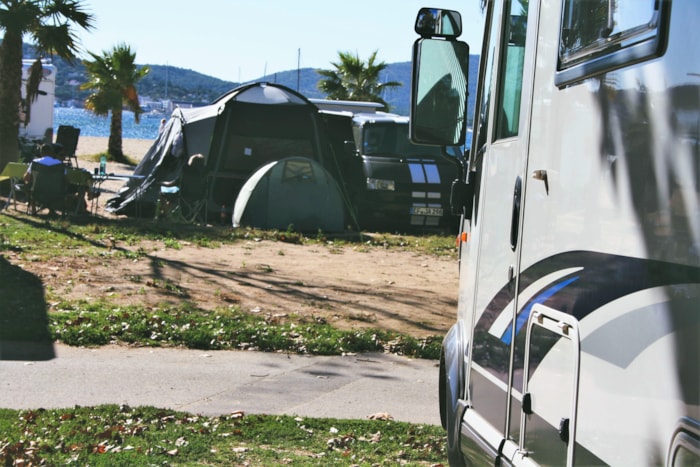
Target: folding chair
48,188
67,141
14,173
193,196
188,201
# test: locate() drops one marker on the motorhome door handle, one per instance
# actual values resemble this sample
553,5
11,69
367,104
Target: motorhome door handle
542,175
515,219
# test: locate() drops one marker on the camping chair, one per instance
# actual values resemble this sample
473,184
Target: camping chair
14,173
193,195
188,201
48,188
80,183
67,142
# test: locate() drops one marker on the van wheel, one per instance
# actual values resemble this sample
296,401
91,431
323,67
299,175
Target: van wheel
450,416
442,384
454,451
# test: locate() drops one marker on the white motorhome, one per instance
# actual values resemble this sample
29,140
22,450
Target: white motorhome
578,327
40,111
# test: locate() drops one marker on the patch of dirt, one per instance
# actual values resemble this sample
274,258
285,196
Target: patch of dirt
349,287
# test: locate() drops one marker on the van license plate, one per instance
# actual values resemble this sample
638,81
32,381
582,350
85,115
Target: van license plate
425,211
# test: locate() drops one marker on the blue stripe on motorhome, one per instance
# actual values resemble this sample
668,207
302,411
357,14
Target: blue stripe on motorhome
525,313
601,279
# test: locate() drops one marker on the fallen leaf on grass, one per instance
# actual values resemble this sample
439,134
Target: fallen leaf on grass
381,416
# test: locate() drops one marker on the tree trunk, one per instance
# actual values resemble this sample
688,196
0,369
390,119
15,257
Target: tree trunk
115,136
10,96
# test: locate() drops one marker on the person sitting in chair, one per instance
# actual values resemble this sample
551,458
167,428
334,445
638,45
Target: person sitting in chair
195,167
193,186
181,195
47,158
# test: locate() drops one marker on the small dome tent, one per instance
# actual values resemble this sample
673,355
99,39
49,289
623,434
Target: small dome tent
292,192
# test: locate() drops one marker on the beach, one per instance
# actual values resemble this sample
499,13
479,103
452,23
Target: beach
91,145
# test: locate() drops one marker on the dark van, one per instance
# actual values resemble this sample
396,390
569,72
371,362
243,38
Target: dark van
393,184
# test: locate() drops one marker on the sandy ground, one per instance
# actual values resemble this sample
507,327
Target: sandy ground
134,148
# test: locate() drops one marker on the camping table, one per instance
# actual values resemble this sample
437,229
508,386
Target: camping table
98,179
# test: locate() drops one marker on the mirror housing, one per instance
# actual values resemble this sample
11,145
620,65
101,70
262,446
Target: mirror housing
439,92
435,22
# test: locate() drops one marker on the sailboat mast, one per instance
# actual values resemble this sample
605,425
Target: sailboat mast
298,65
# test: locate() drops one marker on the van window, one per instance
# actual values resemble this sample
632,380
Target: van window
392,139
601,35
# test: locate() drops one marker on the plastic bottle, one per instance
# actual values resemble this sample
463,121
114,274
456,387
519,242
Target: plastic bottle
103,165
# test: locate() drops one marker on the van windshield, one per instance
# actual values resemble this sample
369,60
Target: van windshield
391,139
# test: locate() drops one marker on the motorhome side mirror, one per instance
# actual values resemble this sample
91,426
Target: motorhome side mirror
439,92
435,22
461,198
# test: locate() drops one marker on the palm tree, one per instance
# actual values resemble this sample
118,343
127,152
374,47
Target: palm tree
50,26
113,77
355,80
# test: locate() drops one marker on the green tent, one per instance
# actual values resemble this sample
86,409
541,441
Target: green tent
292,192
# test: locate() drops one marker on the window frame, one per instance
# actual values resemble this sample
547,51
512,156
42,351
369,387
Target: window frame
614,54
509,126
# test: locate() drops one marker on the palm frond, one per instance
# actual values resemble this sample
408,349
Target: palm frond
34,80
355,79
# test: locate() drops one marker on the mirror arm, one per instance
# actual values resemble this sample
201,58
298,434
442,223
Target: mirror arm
350,148
462,196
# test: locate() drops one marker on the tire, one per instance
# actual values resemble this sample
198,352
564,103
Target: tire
450,415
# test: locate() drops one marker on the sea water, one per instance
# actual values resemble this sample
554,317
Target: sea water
92,125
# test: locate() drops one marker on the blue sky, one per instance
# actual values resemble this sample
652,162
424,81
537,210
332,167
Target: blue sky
243,40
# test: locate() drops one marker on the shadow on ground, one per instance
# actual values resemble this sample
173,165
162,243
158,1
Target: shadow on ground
24,327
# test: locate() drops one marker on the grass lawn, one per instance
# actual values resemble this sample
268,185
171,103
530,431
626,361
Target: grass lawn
119,435
114,435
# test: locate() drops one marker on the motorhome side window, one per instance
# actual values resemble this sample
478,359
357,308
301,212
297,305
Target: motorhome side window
511,70
602,35
482,112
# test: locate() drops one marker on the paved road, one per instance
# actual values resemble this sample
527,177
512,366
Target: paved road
220,382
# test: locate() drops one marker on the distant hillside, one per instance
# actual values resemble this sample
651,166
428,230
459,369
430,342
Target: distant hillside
185,85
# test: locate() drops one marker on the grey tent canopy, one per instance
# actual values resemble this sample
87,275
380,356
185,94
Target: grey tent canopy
237,133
